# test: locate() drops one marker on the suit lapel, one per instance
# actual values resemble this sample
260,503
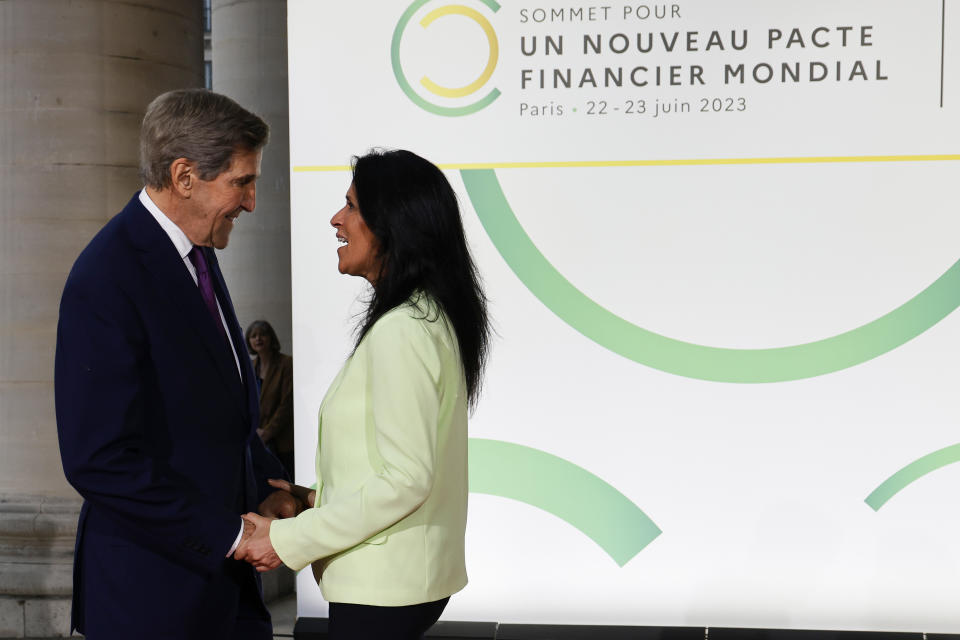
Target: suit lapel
236,335
164,264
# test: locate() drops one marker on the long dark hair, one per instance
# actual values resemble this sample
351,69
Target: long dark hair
410,207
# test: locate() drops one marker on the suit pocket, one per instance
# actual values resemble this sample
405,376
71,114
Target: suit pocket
376,540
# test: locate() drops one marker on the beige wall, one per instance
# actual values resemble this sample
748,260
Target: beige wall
75,79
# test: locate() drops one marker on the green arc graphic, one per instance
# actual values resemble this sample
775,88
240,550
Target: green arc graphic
693,360
567,491
563,489
911,473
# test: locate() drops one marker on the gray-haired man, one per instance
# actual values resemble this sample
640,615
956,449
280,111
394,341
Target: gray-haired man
156,401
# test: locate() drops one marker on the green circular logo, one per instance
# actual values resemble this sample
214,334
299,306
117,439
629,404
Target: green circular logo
441,92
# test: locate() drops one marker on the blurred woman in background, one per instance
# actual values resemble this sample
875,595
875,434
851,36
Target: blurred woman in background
274,372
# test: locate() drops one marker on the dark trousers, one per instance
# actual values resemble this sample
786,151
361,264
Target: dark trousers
365,622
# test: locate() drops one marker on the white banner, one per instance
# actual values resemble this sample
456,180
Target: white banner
719,241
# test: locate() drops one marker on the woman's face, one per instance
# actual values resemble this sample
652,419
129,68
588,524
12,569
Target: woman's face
358,252
259,341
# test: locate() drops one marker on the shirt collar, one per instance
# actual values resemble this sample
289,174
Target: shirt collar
177,236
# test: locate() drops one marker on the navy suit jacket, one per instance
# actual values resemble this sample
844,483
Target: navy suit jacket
158,434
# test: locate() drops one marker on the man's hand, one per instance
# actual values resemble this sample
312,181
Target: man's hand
248,529
281,504
257,548
307,496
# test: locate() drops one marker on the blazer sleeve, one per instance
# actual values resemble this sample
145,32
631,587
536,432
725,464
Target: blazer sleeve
101,381
403,369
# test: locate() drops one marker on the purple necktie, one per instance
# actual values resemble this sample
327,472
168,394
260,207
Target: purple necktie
206,286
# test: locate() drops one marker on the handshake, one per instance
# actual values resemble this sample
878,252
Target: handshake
255,546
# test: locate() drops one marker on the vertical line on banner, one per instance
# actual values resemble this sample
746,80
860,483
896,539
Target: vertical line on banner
943,39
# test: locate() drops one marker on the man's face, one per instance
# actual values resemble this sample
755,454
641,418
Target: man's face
216,203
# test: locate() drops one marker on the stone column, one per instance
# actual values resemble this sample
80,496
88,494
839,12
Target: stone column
75,79
249,42
250,65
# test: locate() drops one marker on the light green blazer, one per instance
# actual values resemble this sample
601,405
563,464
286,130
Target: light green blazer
391,510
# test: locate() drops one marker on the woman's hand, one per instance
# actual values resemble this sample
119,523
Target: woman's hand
308,496
257,548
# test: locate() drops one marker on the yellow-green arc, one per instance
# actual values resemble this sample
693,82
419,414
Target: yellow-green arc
703,362
665,162
911,473
476,16
563,489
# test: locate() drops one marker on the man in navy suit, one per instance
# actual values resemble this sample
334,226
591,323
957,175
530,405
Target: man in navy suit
156,400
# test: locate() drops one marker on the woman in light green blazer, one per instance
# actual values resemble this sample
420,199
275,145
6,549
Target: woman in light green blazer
384,530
